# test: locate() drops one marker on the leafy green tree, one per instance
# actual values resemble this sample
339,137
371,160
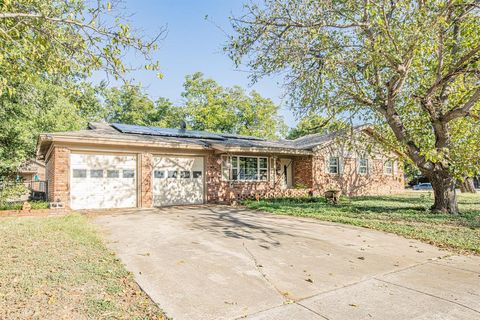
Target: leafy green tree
129,104
208,106
89,100
65,38
33,108
312,124
167,115
47,48
410,67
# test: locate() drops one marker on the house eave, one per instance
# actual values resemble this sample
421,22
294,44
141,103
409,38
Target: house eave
285,151
47,140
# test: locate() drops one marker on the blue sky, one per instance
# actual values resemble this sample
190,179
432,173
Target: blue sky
194,44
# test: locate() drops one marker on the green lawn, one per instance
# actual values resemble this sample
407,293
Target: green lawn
405,214
58,268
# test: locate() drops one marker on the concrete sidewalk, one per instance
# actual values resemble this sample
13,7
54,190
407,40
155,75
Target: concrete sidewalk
216,262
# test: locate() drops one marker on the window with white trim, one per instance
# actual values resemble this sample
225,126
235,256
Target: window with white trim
334,165
388,167
362,165
238,168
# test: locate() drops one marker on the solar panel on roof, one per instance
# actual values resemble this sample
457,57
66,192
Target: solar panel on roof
236,136
133,129
166,132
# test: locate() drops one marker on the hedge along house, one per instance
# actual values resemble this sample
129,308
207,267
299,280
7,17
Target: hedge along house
121,166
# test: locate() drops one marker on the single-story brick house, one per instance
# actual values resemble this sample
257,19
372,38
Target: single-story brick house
117,166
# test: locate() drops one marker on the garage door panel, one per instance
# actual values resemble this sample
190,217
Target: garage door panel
174,181
100,181
103,161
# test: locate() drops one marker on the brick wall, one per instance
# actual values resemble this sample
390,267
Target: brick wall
353,184
146,192
41,173
308,172
58,169
220,191
302,171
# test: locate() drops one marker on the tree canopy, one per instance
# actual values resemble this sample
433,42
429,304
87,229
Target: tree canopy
51,47
311,124
67,38
35,107
211,107
45,106
410,67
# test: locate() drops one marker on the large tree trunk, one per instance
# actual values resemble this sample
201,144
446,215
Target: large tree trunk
444,189
467,186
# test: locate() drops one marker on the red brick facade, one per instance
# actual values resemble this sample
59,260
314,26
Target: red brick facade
302,172
146,192
309,177
220,191
375,182
58,173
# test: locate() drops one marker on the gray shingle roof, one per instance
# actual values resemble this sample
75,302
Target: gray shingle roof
107,131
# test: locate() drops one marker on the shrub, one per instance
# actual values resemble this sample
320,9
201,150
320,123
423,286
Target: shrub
12,192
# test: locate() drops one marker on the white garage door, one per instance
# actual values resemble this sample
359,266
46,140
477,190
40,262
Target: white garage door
102,181
177,180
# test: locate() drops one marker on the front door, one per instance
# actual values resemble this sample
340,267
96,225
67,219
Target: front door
286,173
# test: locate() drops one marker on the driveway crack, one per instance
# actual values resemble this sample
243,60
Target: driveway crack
259,268
312,311
428,294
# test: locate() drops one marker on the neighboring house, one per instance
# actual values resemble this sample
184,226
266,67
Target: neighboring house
31,170
115,166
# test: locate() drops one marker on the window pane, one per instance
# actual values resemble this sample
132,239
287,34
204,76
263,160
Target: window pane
263,174
159,174
234,162
248,168
388,168
252,168
79,173
128,173
242,166
333,161
197,174
234,174
96,173
263,164
363,166
172,174
185,174
113,174
225,168
333,165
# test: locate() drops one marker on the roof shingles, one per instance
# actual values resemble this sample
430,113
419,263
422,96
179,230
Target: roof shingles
105,131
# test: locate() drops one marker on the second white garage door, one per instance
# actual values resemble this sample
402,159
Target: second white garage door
177,180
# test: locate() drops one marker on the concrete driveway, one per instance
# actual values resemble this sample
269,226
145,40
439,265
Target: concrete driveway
222,263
